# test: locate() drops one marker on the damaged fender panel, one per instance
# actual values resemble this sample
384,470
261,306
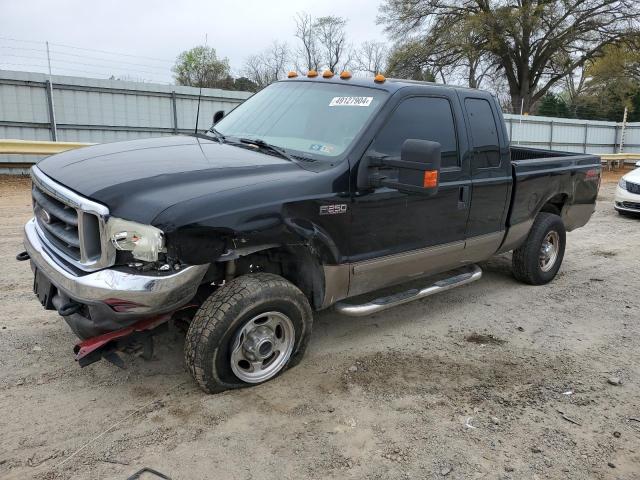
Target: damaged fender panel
290,214
291,211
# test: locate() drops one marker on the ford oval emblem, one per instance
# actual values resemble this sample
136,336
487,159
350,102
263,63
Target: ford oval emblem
45,216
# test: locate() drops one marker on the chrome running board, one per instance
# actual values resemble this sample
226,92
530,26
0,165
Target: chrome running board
472,273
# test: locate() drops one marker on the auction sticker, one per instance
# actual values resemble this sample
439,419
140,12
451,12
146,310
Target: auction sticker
350,101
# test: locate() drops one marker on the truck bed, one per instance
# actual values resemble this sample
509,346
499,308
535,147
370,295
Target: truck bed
526,153
564,180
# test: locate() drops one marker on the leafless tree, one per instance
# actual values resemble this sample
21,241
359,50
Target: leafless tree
371,57
268,66
308,57
334,51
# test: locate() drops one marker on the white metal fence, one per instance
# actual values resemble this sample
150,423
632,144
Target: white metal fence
571,135
77,109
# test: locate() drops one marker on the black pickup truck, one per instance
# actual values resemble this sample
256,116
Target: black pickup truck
318,191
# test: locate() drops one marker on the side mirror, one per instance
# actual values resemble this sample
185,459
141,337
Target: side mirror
418,168
218,116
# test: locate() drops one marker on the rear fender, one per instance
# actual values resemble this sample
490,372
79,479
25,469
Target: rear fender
519,228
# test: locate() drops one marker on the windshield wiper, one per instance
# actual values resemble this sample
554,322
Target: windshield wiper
220,137
267,146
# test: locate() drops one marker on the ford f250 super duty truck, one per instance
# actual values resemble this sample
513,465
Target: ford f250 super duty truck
318,191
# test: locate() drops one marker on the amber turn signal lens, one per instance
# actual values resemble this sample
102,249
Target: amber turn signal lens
430,179
327,74
312,74
345,75
292,74
379,78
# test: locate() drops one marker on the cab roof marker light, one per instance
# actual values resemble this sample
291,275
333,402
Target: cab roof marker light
345,75
379,78
312,74
327,74
292,74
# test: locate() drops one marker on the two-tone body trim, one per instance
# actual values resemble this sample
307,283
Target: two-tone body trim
352,279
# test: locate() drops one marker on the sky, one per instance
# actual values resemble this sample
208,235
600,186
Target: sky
142,38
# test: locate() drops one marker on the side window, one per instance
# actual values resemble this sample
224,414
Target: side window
484,133
423,118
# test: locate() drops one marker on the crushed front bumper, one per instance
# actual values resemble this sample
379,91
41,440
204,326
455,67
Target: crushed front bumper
110,299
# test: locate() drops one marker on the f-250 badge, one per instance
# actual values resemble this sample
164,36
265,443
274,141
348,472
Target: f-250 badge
333,209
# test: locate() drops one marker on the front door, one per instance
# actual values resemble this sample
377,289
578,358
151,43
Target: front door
398,236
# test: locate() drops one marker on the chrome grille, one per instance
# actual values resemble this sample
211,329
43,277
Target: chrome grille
72,226
59,222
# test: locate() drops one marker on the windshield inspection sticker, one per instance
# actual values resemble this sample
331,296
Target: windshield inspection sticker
317,147
350,101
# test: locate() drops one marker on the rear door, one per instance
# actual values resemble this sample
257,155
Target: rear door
490,173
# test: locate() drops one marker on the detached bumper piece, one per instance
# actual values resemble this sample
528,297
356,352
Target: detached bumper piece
139,335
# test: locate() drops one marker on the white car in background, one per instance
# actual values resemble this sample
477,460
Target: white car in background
627,199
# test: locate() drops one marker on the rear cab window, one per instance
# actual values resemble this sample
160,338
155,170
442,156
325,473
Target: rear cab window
484,133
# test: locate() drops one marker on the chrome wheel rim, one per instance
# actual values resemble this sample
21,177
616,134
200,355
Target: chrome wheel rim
549,251
262,347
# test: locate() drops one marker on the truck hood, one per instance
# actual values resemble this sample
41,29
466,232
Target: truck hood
139,179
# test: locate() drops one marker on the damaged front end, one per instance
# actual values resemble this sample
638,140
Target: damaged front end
109,278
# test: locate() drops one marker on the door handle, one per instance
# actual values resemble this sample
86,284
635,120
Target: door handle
463,197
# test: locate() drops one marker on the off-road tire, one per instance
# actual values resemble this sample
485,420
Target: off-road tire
526,258
212,330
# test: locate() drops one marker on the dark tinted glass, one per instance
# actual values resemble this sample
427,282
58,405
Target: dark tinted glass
423,118
484,133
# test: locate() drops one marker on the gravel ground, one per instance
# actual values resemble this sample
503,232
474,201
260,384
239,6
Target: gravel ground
492,380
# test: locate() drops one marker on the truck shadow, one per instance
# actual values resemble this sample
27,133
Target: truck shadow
498,264
332,331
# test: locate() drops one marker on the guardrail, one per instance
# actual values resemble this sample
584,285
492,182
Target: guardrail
34,147
620,158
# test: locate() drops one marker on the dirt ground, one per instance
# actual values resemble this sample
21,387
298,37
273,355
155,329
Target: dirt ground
492,380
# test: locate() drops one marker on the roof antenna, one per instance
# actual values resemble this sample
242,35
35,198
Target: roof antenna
195,132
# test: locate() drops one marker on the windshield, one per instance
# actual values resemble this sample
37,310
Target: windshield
314,119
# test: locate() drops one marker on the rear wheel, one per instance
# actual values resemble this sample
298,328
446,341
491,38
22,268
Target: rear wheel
247,332
538,259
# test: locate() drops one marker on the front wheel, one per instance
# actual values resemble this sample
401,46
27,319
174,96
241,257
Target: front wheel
538,259
247,332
